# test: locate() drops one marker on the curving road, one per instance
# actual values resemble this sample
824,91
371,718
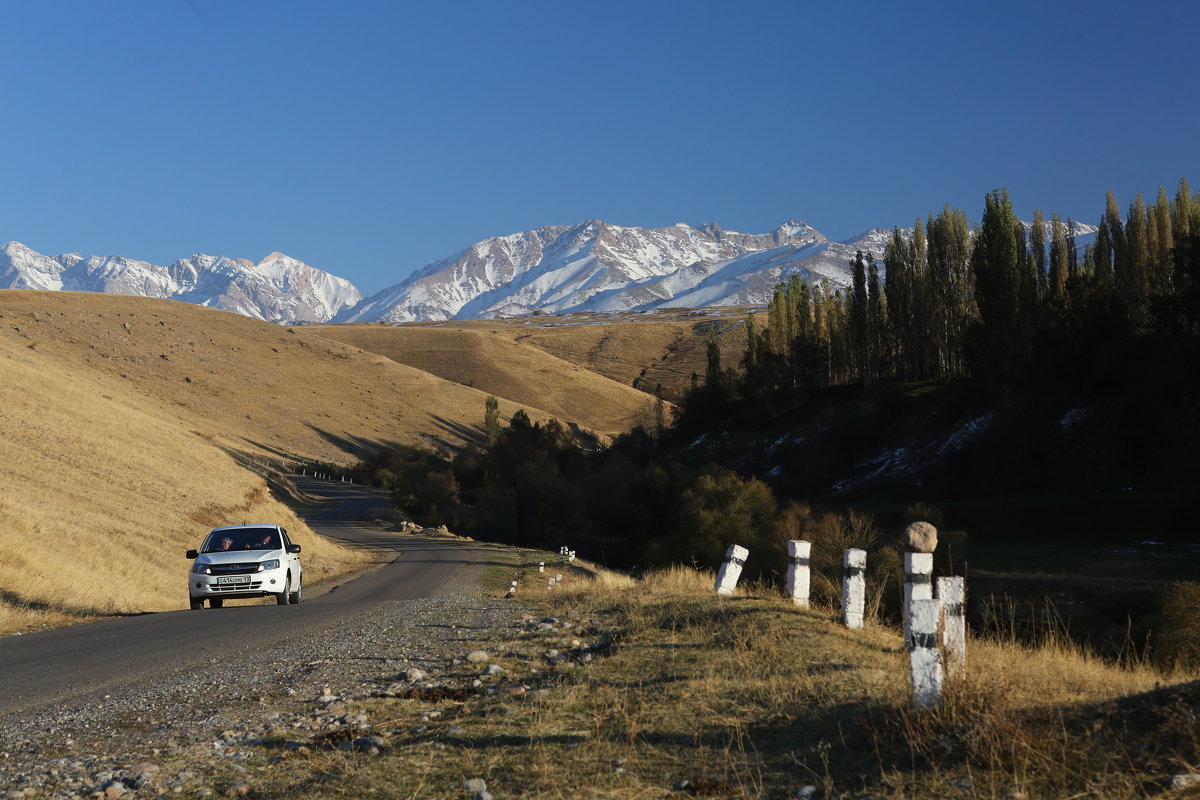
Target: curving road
58,665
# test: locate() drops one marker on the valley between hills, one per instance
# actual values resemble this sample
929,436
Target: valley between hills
134,424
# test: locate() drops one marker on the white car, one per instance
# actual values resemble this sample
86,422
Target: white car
245,561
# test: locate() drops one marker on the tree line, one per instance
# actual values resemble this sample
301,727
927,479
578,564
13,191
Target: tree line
949,301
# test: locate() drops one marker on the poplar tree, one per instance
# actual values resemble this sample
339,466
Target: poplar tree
1160,268
1181,212
876,322
1116,230
1000,335
712,373
947,286
491,419
1137,257
1037,247
1056,280
859,335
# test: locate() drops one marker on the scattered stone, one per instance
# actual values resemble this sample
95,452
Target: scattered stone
966,783
415,674
805,792
920,537
372,745
113,789
238,790
483,796
1186,780
493,669
475,785
477,656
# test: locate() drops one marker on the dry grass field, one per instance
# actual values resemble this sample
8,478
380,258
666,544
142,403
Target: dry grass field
662,690
130,426
638,350
500,365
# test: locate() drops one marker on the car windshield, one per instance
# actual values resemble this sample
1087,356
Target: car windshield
241,539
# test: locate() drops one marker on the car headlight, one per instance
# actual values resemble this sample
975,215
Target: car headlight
267,565
203,569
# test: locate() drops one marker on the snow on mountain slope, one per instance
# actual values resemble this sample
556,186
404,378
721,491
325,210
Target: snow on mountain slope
590,266
277,289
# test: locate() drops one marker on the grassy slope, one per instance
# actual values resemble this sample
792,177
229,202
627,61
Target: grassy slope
130,426
635,350
501,366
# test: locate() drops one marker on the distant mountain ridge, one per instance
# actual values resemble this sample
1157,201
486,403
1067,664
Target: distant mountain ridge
597,266
277,289
592,266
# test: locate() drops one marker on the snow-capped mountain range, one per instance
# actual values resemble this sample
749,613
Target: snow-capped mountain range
596,266
593,266
277,289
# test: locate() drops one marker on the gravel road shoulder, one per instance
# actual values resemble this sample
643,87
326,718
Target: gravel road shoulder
175,734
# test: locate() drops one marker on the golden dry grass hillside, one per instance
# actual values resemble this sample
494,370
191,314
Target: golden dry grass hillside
505,367
638,350
130,426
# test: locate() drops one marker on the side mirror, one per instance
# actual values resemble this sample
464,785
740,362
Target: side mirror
293,548
192,553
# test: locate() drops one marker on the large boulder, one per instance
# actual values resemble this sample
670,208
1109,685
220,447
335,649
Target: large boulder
920,537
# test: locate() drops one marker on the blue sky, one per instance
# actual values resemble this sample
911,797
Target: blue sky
368,138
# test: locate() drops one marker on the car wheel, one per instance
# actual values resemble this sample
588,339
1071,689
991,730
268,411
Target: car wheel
216,602
298,594
285,597
197,603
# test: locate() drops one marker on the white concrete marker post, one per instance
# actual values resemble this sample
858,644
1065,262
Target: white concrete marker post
925,655
541,566
731,569
918,585
953,594
854,588
798,571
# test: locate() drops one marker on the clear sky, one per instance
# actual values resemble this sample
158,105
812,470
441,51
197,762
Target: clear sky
367,138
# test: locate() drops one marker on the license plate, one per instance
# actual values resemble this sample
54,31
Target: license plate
234,579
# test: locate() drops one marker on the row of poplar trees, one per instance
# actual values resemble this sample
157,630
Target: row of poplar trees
958,302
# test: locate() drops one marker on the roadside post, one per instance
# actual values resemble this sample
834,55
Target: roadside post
731,569
918,585
854,588
952,592
798,577
925,655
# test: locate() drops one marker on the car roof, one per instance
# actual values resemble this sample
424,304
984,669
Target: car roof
240,527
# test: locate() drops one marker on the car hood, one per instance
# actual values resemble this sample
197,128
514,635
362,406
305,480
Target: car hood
238,556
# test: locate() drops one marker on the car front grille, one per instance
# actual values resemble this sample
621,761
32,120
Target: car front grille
233,569
235,587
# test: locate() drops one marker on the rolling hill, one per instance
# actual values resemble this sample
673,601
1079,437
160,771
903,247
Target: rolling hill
129,426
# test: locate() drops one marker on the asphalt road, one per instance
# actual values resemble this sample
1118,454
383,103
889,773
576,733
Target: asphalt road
54,666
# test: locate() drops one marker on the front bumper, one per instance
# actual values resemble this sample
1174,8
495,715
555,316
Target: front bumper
259,584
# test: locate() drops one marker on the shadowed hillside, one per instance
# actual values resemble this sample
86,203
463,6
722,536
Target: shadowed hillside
506,368
638,350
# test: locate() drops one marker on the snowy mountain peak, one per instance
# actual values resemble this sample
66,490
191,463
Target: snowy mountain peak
597,266
278,289
793,227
